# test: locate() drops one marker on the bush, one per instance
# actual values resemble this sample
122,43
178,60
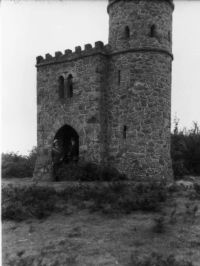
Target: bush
15,165
88,171
20,203
197,188
118,196
185,151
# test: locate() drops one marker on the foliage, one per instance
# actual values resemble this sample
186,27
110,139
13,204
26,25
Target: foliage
156,259
20,203
15,165
118,196
88,171
197,188
185,151
190,212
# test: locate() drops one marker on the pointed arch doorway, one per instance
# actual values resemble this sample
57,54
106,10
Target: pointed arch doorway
65,148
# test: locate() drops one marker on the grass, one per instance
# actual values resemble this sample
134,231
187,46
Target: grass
101,224
82,238
156,259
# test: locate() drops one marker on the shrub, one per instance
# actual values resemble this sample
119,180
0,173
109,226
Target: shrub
197,188
20,203
185,151
118,196
15,165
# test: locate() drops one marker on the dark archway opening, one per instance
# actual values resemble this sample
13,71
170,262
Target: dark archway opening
65,148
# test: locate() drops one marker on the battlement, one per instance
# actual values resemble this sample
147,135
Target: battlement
69,55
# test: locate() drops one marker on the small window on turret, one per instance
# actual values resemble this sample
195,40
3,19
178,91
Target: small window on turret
119,77
153,31
124,132
70,86
127,32
61,87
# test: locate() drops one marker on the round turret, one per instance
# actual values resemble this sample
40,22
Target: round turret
139,93
140,24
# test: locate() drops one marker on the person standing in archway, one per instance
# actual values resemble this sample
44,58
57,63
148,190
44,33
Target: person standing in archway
57,158
71,153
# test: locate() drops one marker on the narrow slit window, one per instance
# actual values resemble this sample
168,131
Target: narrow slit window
124,132
119,77
169,36
153,31
127,32
70,86
61,87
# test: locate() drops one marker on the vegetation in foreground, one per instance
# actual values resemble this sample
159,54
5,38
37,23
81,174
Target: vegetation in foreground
19,166
155,259
20,203
76,235
96,224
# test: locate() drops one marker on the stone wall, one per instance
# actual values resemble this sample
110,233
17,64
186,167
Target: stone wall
141,102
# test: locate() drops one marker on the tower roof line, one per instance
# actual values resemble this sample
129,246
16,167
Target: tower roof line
111,2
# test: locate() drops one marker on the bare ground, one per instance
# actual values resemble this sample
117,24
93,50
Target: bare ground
93,239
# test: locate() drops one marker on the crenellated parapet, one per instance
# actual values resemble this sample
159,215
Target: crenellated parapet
69,55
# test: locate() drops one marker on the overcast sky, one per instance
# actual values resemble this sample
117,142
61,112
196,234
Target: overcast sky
33,28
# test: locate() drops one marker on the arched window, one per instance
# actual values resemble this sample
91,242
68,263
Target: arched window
153,31
61,87
127,32
70,86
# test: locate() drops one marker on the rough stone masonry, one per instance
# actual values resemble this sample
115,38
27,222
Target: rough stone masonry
113,99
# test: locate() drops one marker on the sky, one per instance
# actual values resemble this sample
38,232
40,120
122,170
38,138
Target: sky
32,28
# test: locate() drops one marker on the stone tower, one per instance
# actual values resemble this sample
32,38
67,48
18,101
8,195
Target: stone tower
113,100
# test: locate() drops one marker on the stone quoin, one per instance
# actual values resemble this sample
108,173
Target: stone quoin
114,100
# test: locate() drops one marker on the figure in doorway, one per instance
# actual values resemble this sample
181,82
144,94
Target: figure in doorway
57,158
71,153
